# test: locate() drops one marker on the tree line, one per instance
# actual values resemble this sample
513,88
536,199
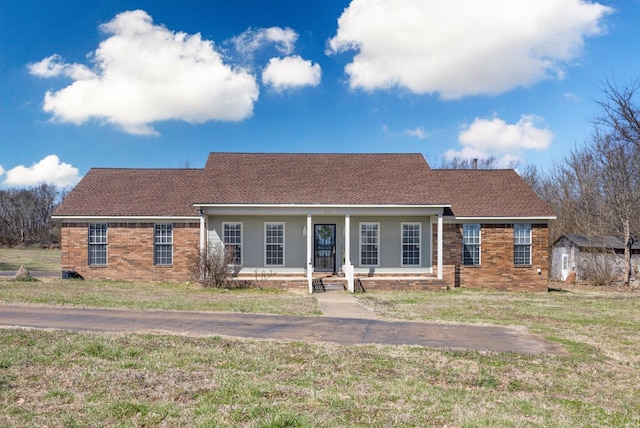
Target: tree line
25,215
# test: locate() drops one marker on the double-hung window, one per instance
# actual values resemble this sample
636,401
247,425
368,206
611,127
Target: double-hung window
471,244
274,244
369,244
522,244
97,244
163,245
232,238
411,244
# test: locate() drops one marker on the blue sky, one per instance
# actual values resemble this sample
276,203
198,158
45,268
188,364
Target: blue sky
160,84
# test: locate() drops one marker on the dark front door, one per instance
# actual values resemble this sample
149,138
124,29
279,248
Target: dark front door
324,238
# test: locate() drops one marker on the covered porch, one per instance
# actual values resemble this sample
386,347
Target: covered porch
348,246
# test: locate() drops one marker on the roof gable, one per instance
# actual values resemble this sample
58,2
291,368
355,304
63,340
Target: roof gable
489,193
286,178
132,192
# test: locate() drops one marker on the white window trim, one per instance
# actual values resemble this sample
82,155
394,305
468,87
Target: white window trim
360,243
410,223
479,244
283,243
106,244
241,238
530,244
155,243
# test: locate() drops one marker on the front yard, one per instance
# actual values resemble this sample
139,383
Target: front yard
50,378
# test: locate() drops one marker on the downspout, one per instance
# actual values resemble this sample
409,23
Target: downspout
440,246
309,253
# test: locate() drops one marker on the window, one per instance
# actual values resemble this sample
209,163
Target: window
522,244
232,238
163,245
97,244
411,244
369,244
471,244
274,244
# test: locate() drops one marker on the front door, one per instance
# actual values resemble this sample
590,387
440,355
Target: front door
324,247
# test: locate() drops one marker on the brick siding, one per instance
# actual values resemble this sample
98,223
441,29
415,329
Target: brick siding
496,270
129,252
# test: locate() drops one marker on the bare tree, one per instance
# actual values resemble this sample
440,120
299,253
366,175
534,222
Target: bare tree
213,267
25,215
459,162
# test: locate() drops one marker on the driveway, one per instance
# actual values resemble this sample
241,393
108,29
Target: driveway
344,331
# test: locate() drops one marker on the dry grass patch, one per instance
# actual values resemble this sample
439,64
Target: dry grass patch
32,258
157,296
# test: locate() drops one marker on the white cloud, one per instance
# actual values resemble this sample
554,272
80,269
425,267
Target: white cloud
251,40
53,66
463,47
48,170
494,137
291,72
1,170
144,73
416,132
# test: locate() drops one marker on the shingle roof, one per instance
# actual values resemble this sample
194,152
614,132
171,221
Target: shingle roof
331,179
269,178
603,242
133,192
489,193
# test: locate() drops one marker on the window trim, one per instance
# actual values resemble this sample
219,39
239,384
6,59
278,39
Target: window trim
282,244
159,261
361,244
473,244
402,243
527,244
92,243
225,223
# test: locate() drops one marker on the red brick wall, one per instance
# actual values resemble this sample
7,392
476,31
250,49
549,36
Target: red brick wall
497,270
129,252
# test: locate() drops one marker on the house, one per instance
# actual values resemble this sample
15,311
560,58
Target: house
387,220
591,257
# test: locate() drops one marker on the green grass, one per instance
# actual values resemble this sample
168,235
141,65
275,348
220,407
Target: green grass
72,379
157,296
32,258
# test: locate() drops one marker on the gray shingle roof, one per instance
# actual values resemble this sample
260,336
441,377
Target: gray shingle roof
331,179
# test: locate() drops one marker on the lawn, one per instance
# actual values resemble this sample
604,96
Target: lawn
50,378
32,258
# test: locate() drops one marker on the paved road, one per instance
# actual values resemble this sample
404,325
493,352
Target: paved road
312,329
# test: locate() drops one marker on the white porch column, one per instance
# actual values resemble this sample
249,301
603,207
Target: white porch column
348,267
203,232
310,253
440,246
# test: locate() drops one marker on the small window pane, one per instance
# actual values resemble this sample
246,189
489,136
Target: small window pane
232,238
274,244
522,244
163,245
411,244
369,246
471,244
97,244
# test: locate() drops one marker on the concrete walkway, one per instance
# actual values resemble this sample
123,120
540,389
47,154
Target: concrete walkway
342,331
342,304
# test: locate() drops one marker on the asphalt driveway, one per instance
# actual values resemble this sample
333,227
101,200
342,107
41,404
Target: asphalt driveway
344,331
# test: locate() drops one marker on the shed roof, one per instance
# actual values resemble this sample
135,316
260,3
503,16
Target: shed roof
600,242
